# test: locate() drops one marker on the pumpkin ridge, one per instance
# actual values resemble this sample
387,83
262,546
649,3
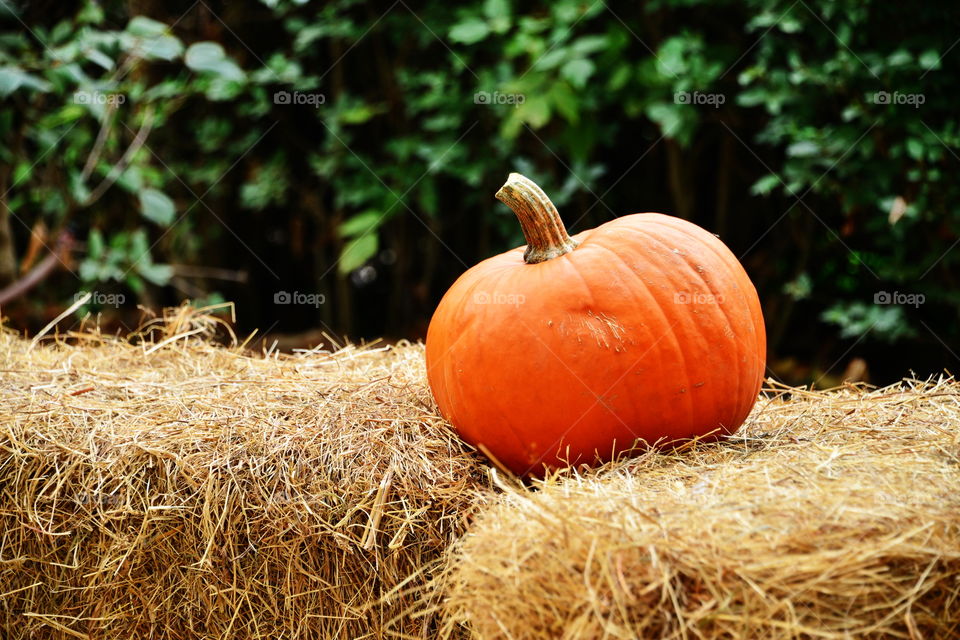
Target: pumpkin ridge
686,368
505,424
758,331
730,325
461,300
571,266
739,276
666,321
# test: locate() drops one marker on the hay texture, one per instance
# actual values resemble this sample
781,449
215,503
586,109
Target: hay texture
175,489
831,515
160,486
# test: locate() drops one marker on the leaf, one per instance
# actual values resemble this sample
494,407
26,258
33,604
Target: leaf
21,173
356,252
667,116
100,58
12,78
498,15
470,31
930,59
535,111
586,45
158,274
899,58
565,101
78,188
210,57
157,207
95,245
361,223
578,72
551,59
803,149
131,180
161,48
358,114
146,27
428,198
765,185
496,8
915,148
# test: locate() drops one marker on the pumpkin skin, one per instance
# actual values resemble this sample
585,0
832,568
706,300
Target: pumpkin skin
648,330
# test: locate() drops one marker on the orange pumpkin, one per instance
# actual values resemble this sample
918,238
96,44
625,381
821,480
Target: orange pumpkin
571,350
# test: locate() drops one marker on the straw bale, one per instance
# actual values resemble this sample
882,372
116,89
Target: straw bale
167,487
830,515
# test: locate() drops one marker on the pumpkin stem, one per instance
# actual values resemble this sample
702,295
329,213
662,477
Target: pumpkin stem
542,227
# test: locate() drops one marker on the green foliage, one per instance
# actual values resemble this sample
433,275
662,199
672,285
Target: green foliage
360,128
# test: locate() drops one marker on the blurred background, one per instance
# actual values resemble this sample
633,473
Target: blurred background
330,166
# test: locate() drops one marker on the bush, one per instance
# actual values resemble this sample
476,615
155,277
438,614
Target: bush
350,150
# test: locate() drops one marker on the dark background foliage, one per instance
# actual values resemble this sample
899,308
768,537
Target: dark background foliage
816,137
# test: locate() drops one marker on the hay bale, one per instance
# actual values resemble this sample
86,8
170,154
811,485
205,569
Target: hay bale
177,489
831,515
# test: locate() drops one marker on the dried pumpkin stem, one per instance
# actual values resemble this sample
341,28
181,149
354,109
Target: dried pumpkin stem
542,227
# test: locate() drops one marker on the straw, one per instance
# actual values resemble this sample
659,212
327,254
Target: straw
830,515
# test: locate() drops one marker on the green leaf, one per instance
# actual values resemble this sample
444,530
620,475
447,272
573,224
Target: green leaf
360,223
358,114
356,252
21,173
12,78
470,31
144,26
99,58
158,274
930,59
915,148
498,15
157,207
78,188
765,185
587,45
803,149
667,116
899,58
496,8
428,197
210,57
131,180
95,245
160,48
566,101
535,111
578,72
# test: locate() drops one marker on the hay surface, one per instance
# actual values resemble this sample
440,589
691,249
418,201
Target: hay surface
832,515
178,489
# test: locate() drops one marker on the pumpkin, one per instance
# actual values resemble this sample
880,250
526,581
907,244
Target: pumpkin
643,331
